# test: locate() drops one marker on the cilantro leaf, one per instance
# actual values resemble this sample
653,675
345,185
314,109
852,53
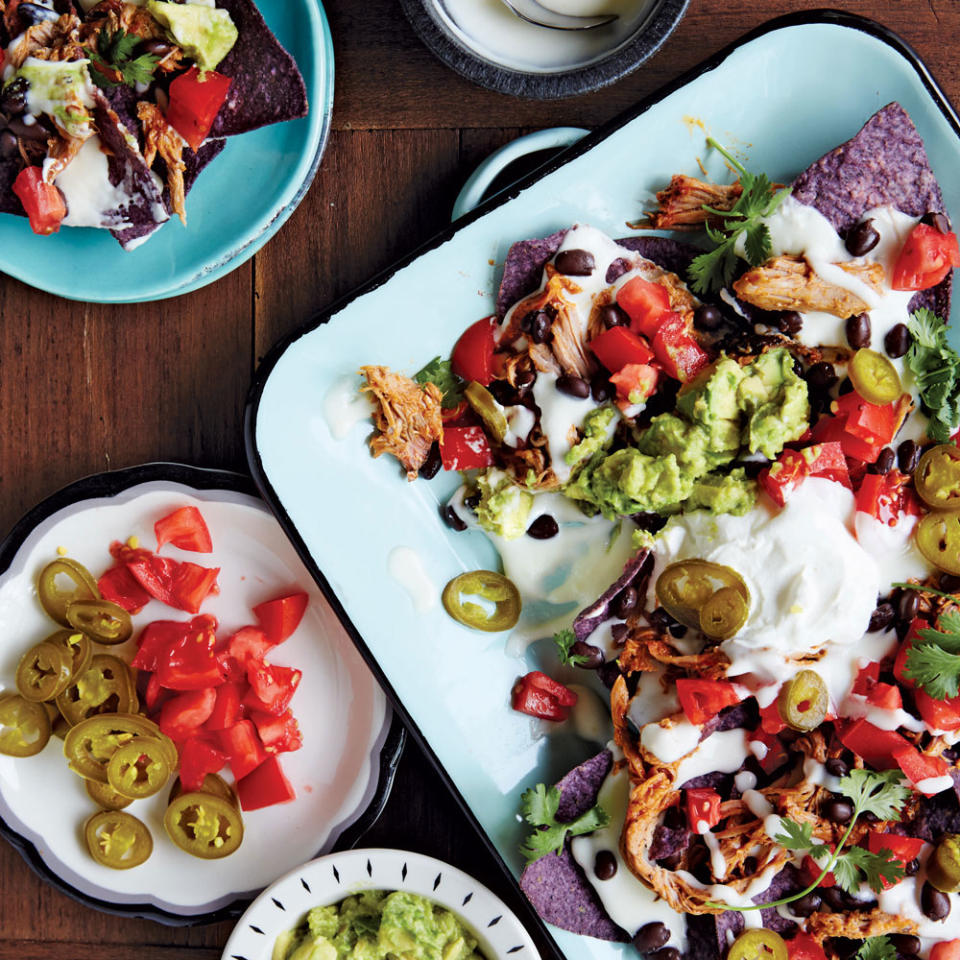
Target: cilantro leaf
113,53
877,948
880,793
440,373
565,639
933,669
936,367
796,836
538,806
714,269
856,865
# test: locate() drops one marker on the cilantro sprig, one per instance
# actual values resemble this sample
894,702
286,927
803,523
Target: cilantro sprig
881,794
713,270
539,805
565,639
933,661
114,64
440,373
923,588
877,948
936,366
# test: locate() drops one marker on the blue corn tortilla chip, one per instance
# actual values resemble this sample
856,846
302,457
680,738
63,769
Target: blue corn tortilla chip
707,934
587,620
667,841
785,883
555,884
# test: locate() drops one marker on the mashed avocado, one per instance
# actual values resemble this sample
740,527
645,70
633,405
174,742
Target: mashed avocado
206,34
727,412
375,925
504,507
598,427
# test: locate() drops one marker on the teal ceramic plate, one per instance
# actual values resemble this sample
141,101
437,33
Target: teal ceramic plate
238,203
784,95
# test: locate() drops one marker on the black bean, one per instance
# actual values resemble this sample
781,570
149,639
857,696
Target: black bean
912,867
626,603
433,463
451,519
885,462
619,632
844,947
707,317
806,906
8,144
156,48
880,619
897,341
540,327
822,375
908,605
28,131
790,322
870,816
575,263
543,528
750,865
660,620
651,936
604,865
31,13
904,942
609,673
573,386
938,221
617,269
677,630
472,501
665,953
593,655
908,455
524,378
614,316
837,810
601,389
845,387
14,98
949,583
862,238
836,767
858,331
934,903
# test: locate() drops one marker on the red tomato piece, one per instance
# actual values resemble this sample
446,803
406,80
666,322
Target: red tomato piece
278,734
182,716
465,448
904,849
703,699
120,586
804,947
541,696
827,460
472,357
946,950
265,786
227,710
242,747
926,258
784,475
153,692
198,757
618,346
886,497
870,422
184,528
282,615
680,355
248,645
635,382
938,714
770,719
703,806
190,662
776,754
42,202
876,746
271,687
159,636
646,303
810,870
831,429
866,675
919,768
181,585
195,101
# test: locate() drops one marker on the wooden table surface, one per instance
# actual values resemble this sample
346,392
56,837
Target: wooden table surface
87,388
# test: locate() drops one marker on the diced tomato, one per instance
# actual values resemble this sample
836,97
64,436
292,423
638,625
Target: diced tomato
680,355
461,415
635,382
900,664
827,460
867,674
831,429
198,757
42,202
242,747
876,746
775,755
195,101
472,357
770,719
804,947
938,714
181,585
810,870
618,346
153,693
703,806
884,497
190,662
282,615
159,636
271,687
278,734
541,696
703,699
184,528
465,448
945,950
783,476
182,716
248,645
919,768
926,258
903,849
264,786
226,711
120,586
646,303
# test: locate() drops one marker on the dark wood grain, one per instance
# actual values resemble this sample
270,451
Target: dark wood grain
84,388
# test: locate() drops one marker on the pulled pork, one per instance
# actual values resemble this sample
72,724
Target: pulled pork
161,138
49,40
681,203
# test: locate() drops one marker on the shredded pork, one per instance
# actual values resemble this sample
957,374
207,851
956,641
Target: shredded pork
160,138
681,203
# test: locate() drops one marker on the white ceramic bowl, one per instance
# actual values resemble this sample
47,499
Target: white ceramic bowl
329,879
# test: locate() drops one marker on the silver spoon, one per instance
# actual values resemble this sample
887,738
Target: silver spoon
535,13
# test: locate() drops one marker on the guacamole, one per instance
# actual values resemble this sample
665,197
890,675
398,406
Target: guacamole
727,412
377,925
504,507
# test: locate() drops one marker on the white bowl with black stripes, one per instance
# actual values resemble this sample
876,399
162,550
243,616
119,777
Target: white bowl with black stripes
329,879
